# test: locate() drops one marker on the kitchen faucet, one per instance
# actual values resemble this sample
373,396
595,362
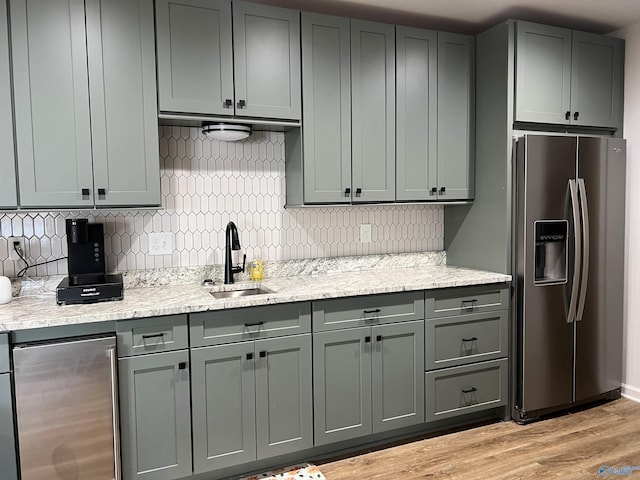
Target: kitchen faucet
231,243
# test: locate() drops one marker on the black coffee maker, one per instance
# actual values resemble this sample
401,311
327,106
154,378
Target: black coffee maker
88,281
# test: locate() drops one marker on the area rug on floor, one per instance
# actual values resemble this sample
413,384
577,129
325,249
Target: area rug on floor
307,471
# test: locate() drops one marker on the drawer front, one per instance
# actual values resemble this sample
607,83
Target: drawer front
351,312
470,388
152,335
227,326
4,352
459,301
452,341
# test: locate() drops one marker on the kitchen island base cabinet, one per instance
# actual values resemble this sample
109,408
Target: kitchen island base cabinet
252,400
155,416
368,380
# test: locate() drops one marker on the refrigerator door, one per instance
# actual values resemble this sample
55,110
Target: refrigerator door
545,167
601,166
64,407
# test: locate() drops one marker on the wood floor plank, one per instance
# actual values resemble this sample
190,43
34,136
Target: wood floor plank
570,446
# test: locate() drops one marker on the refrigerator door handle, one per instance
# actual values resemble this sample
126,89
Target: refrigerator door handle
585,248
577,251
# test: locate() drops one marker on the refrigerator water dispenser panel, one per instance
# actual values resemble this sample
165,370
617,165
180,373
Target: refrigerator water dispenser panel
551,252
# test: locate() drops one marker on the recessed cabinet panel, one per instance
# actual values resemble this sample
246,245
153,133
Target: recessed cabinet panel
195,58
416,106
7,436
326,77
8,197
373,111
266,44
51,94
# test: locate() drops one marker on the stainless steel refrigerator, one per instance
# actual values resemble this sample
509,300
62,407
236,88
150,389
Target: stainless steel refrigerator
67,410
568,269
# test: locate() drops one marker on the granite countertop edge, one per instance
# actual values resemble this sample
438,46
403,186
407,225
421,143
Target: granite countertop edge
38,311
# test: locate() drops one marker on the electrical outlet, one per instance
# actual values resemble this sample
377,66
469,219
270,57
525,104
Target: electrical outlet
160,243
13,255
365,233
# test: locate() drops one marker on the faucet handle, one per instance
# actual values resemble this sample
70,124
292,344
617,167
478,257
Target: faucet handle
244,262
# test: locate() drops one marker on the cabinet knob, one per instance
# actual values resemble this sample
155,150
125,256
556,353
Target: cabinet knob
367,339
347,192
358,192
85,193
249,356
182,365
102,192
227,103
576,115
379,338
434,190
442,190
241,103
567,115
263,354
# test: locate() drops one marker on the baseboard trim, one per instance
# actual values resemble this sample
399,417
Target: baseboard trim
631,392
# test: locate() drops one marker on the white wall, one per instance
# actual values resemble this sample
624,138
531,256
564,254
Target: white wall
631,373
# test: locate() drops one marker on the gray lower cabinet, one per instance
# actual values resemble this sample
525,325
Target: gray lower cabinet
8,194
155,416
367,380
82,143
251,400
567,77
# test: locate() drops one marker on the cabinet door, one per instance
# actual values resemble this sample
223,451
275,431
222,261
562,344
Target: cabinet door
8,196
266,42
51,94
397,375
326,80
416,110
342,384
195,59
543,74
456,116
596,80
284,411
223,403
124,117
7,437
155,416
373,111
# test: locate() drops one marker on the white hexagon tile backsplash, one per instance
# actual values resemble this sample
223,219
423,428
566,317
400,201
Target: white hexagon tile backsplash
205,184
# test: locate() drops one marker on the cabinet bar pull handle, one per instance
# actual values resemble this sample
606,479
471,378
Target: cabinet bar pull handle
86,192
249,356
358,192
241,103
469,390
263,354
468,304
367,339
567,115
379,338
576,115
472,339
347,192
227,103
182,365
155,335
377,310
113,367
255,324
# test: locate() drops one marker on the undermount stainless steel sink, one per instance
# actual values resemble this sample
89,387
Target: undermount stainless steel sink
245,292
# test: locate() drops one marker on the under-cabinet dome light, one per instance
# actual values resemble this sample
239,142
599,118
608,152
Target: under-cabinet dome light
227,132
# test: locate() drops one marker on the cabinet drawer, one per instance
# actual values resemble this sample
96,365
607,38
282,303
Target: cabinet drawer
151,335
470,388
458,301
367,310
226,326
4,352
452,341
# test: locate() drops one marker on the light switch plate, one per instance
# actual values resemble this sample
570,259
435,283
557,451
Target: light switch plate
365,233
160,243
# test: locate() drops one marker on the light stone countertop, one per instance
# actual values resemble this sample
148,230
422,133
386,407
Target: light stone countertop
37,311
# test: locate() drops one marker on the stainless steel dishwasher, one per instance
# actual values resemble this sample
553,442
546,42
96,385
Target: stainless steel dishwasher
67,409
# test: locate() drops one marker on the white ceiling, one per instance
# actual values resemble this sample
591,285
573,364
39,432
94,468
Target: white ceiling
473,16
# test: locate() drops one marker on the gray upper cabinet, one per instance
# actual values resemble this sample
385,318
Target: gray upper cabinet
195,56
456,116
71,154
206,45
8,197
416,111
326,76
567,77
373,111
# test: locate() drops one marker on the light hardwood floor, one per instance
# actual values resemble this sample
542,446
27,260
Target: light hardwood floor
570,446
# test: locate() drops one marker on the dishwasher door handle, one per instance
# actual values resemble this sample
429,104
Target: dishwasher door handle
113,363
